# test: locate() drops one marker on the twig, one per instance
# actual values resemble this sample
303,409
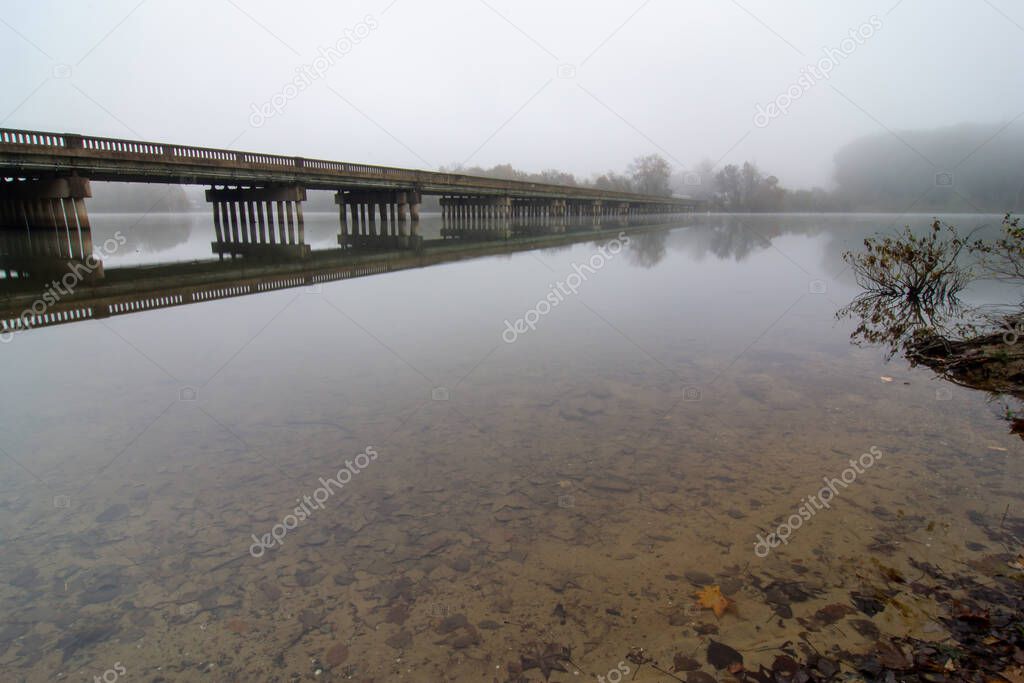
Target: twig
660,670
585,672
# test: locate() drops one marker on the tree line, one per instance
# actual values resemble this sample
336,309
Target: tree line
964,168
651,175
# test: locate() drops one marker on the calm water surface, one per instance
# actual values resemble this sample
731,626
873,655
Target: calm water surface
576,486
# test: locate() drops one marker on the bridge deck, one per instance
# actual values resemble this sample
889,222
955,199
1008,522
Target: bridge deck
32,153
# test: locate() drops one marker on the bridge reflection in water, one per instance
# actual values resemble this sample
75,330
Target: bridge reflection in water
45,284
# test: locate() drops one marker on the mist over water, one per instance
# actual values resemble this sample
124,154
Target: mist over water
518,426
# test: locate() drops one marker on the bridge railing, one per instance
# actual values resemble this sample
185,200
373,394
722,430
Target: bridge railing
30,137
114,145
68,143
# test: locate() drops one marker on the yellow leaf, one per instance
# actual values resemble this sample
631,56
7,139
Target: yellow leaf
710,597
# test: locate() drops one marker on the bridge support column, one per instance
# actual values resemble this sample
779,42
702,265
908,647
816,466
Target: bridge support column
50,218
415,200
244,218
366,206
403,205
339,199
475,217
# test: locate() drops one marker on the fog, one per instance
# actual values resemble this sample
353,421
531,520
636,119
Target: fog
583,87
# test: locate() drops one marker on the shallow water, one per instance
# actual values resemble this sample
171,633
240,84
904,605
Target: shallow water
575,486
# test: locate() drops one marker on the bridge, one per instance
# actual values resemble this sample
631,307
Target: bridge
257,199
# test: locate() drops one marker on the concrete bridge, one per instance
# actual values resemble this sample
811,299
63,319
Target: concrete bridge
257,199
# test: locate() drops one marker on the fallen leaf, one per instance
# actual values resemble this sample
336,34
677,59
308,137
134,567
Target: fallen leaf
710,597
891,656
785,667
683,663
885,378
721,656
547,657
1015,675
336,655
700,677
830,614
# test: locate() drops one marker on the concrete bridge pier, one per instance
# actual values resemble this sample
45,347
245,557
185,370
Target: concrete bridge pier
259,222
447,208
576,209
477,217
503,207
366,207
414,199
46,227
339,200
474,208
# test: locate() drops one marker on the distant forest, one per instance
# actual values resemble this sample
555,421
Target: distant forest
138,198
964,168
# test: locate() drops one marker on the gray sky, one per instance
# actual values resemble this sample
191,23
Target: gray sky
578,85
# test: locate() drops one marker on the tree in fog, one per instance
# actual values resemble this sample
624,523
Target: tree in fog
727,188
968,167
697,182
509,172
614,182
651,175
556,177
746,188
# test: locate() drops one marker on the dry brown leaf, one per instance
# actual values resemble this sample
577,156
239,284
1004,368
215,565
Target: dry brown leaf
1014,675
710,597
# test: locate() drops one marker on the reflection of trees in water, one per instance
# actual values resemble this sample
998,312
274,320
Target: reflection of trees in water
738,236
910,287
111,197
150,233
910,300
647,249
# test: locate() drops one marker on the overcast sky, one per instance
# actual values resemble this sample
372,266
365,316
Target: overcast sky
579,85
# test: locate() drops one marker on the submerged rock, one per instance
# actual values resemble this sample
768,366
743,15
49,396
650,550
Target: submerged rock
114,512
